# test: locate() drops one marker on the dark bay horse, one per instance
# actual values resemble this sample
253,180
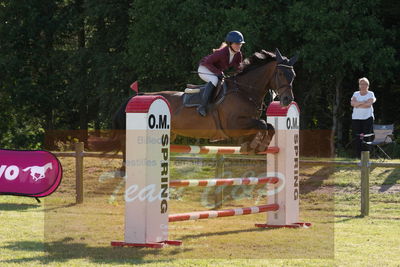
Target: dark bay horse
236,110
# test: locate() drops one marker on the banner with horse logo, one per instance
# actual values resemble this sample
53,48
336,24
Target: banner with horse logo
29,173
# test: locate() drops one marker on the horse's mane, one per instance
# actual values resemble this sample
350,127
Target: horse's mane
257,59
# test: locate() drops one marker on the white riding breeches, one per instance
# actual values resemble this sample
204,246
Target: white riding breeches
207,76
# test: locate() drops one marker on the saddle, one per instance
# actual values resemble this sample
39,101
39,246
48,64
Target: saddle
193,94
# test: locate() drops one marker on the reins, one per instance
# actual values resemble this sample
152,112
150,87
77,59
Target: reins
262,104
238,85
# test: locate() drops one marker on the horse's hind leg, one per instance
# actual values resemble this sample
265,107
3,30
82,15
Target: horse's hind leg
122,169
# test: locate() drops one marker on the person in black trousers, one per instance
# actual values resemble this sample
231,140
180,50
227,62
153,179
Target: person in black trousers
363,115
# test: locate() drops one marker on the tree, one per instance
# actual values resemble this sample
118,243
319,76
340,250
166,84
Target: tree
31,68
339,41
168,38
68,64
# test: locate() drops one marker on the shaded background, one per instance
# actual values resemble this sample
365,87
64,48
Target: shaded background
66,65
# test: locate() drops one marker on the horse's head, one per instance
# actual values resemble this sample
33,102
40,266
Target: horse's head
283,78
265,70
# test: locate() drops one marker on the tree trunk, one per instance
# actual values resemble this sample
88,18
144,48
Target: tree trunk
83,104
335,113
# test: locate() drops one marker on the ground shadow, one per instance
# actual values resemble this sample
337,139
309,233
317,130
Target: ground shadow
392,179
224,233
315,180
66,249
58,207
346,218
18,206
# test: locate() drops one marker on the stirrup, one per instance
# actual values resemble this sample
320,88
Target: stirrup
202,110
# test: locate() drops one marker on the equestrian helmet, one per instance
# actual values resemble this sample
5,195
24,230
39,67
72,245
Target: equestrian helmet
234,37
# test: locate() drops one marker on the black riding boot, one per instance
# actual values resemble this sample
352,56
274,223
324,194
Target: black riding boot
205,99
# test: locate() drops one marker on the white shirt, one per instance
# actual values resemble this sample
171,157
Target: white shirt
231,55
363,113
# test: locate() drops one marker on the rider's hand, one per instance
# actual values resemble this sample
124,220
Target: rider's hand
221,76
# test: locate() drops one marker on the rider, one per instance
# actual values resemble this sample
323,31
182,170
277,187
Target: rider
211,68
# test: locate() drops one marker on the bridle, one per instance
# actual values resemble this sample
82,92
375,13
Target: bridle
283,67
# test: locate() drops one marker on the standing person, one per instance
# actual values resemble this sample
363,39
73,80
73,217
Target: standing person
363,115
212,67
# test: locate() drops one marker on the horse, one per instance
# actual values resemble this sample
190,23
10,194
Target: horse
236,109
38,170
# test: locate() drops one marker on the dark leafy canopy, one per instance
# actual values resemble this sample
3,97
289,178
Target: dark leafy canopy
63,66
339,42
67,64
167,39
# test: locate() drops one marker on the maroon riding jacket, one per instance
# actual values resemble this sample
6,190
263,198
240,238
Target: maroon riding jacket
218,61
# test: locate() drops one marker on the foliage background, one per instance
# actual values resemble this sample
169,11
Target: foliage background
67,64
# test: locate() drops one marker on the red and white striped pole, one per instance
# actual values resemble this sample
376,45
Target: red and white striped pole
231,150
221,182
197,215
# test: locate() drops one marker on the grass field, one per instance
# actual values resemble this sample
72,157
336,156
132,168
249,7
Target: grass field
59,233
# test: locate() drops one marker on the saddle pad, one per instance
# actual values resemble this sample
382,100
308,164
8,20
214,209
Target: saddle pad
192,100
29,173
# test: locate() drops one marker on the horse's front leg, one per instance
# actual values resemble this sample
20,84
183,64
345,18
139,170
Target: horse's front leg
263,138
260,140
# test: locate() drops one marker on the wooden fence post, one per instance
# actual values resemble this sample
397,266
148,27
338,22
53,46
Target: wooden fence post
364,183
79,147
219,172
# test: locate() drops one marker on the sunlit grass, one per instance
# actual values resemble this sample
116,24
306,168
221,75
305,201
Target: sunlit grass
59,233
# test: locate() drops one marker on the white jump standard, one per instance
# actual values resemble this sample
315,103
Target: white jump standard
147,184
148,123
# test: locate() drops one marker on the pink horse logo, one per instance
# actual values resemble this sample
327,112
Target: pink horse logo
38,172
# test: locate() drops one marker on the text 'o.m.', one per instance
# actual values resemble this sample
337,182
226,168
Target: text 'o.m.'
161,123
292,123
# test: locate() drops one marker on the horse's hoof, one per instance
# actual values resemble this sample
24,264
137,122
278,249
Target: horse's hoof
252,152
244,148
262,148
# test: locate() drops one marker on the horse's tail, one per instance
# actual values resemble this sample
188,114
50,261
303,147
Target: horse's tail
27,169
116,140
